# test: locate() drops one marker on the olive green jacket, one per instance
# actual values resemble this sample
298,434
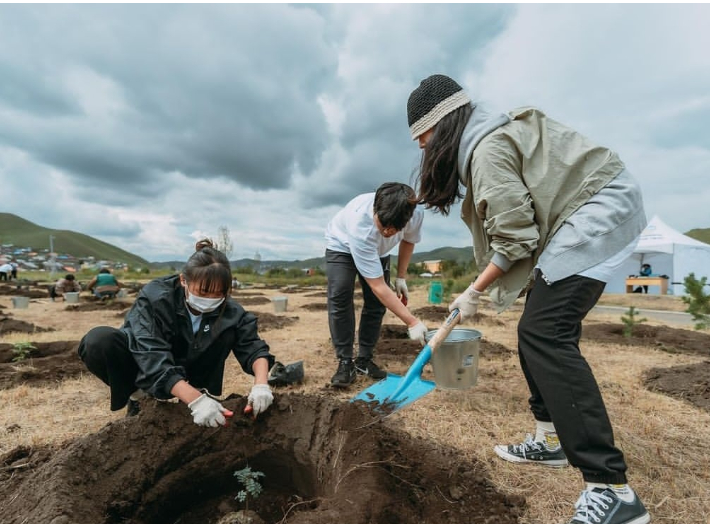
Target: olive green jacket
523,180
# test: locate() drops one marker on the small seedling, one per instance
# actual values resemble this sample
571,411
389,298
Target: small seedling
21,351
697,300
630,321
250,480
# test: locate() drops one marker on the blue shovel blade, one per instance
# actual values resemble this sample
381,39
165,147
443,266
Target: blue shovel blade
391,393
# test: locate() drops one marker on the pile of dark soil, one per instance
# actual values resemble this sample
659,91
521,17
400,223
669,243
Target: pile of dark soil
252,301
99,305
324,461
315,306
690,382
319,294
24,289
664,338
268,321
10,325
44,363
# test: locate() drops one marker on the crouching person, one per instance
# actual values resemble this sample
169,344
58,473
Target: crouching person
175,340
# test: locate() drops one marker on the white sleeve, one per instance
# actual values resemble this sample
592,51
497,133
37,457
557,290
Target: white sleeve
413,230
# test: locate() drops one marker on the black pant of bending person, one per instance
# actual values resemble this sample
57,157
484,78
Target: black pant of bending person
563,389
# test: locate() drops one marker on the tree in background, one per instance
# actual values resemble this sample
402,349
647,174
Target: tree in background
697,301
224,241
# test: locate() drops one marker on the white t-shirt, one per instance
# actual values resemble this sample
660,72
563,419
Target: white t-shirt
5,268
353,230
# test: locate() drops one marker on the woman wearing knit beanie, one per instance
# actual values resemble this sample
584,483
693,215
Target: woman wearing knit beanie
552,215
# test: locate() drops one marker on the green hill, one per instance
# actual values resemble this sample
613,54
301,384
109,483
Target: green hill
23,233
700,234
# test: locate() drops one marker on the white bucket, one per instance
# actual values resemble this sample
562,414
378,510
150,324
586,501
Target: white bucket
280,304
122,293
455,361
72,297
20,302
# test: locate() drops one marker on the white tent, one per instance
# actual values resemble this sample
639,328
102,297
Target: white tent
669,252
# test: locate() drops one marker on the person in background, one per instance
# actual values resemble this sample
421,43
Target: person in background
13,272
68,284
175,340
358,240
5,271
104,285
645,271
552,216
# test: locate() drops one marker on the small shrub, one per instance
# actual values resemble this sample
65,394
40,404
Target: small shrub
630,321
697,300
250,480
21,351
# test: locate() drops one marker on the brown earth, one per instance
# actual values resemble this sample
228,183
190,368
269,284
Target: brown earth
323,461
334,461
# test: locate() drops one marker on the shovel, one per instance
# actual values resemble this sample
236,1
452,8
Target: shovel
394,392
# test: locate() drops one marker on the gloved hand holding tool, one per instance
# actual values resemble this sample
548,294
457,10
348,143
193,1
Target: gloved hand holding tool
467,303
206,411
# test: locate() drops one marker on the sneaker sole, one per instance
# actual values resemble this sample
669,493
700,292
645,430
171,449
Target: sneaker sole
341,384
503,453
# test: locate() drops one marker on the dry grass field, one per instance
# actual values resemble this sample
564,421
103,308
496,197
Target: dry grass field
665,440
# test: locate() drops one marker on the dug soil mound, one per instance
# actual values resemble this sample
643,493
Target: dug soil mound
267,321
690,383
323,461
98,305
41,364
10,325
665,338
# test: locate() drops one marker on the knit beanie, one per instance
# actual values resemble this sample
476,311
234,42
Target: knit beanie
436,97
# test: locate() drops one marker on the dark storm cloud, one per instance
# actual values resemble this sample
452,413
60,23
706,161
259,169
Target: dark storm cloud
209,91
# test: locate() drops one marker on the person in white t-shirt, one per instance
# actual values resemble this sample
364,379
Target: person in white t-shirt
358,240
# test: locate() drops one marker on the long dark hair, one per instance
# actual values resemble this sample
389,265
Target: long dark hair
210,268
437,182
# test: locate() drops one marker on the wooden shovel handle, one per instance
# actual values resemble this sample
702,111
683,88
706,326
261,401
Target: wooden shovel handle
445,329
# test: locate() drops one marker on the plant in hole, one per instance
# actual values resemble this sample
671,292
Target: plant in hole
21,351
697,300
630,321
252,488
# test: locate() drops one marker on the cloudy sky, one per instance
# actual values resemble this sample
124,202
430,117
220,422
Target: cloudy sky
148,126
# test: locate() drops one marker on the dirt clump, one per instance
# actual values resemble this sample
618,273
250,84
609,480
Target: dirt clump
267,321
690,383
323,460
44,363
672,340
11,325
315,306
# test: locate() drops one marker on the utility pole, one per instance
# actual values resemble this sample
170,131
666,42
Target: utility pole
52,257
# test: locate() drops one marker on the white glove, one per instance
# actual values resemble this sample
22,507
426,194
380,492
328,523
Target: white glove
206,411
260,398
467,303
418,332
400,287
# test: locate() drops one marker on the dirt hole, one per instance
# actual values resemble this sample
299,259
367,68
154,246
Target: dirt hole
324,460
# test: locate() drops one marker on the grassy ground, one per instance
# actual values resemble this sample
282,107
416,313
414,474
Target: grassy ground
664,439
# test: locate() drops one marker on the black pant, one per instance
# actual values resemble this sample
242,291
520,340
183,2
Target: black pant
105,352
3,275
562,387
341,272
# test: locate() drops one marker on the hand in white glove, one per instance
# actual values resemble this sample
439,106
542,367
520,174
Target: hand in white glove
400,287
467,303
418,332
206,411
260,398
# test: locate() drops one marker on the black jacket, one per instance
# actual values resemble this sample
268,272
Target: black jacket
159,331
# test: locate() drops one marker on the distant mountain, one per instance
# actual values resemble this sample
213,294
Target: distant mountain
22,233
700,234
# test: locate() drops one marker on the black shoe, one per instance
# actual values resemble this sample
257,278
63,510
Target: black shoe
345,374
365,366
132,408
606,506
533,452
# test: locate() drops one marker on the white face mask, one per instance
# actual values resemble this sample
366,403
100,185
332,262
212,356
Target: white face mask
202,304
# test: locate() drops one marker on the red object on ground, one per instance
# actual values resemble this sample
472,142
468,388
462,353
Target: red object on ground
404,300
248,410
